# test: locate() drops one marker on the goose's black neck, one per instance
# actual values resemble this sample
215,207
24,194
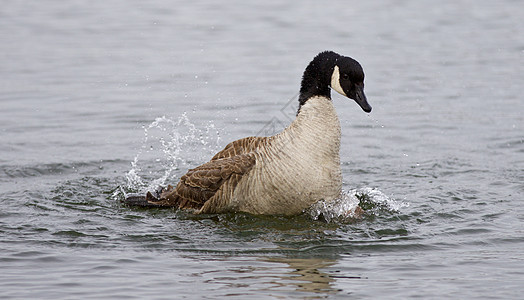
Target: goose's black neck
317,77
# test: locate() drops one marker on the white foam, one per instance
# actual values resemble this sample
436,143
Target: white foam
344,208
340,208
378,197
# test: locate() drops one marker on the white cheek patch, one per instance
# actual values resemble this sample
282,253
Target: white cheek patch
335,81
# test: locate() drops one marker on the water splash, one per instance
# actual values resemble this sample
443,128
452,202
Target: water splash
375,202
170,143
346,208
342,208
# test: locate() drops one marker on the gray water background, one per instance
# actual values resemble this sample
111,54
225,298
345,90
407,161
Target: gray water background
82,83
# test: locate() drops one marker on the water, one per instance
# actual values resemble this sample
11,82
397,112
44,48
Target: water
100,98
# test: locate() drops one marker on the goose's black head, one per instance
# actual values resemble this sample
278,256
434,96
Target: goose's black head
341,73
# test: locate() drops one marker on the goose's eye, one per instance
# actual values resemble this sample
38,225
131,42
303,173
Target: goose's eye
345,76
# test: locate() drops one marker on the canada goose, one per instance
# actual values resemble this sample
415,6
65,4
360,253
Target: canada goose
281,174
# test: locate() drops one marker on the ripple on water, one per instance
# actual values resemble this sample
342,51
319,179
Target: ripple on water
10,172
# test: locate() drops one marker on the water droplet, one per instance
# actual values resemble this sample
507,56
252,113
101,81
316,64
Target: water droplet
170,142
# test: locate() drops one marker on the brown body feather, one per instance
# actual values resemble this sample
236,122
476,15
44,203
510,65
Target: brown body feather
242,146
214,180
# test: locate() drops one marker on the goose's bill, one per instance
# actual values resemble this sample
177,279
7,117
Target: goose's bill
361,99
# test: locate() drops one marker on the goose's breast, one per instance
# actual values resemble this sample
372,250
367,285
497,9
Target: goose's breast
287,184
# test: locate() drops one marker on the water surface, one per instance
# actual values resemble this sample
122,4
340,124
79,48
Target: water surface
102,98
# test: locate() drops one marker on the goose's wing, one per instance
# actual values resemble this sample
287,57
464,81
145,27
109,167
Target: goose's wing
221,174
242,146
200,184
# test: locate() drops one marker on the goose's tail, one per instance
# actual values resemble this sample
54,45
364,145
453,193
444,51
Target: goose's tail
150,199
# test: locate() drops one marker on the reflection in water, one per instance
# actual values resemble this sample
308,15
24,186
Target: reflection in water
306,275
277,277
